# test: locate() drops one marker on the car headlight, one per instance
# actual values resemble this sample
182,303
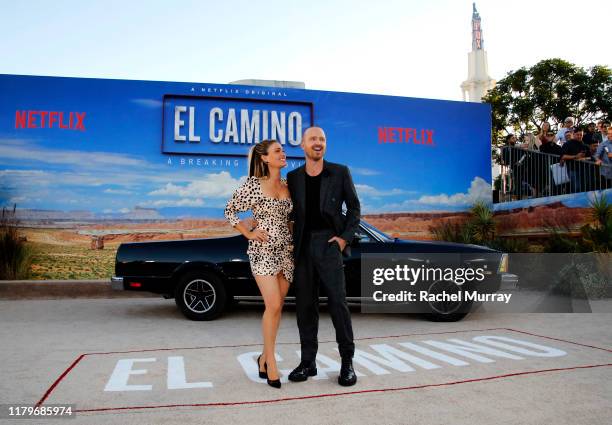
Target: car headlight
503,264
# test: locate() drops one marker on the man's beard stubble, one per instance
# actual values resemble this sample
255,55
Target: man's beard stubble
314,159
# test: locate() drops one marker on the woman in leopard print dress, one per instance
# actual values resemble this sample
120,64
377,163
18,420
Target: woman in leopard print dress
270,248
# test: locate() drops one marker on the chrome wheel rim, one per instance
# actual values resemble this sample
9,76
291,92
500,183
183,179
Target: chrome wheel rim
199,296
444,307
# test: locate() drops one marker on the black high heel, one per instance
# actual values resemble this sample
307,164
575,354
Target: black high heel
262,375
276,383
273,383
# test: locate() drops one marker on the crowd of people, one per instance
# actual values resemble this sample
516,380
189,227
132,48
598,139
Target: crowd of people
572,159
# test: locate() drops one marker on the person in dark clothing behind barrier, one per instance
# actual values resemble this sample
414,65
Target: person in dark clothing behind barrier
322,235
549,146
573,152
511,157
589,134
593,177
601,135
603,157
553,155
587,170
531,144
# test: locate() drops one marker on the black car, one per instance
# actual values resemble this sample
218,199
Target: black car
205,276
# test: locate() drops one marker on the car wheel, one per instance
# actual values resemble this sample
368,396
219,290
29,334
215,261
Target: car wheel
447,311
200,296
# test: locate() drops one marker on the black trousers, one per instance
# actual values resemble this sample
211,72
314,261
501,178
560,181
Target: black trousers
320,262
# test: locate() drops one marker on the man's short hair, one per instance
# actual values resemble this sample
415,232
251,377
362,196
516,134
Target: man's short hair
568,119
308,128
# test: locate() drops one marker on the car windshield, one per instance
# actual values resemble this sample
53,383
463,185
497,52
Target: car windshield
377,233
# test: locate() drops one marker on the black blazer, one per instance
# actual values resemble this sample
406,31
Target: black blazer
336,188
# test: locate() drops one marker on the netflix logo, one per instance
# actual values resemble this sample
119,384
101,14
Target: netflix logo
406,135
50,119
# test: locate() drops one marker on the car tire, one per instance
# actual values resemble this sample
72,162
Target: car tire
200,296
447,312
454,317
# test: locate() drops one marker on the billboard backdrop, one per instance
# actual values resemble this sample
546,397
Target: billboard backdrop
92,163
99,149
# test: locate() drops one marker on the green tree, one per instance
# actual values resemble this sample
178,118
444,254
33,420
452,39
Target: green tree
550,90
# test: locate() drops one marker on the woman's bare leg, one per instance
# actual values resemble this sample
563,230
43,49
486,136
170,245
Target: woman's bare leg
271,292
283,286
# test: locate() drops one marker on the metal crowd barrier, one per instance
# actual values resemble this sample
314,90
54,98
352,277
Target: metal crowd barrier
532,174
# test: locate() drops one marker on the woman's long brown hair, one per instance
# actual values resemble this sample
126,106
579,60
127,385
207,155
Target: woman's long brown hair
257,166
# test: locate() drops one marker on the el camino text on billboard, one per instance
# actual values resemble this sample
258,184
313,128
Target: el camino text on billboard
224,126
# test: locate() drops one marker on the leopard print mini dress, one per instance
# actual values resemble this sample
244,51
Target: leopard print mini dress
272,215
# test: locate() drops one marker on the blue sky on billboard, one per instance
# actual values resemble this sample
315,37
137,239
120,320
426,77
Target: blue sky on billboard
110,158
111,155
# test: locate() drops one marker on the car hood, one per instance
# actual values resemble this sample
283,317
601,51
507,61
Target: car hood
404,245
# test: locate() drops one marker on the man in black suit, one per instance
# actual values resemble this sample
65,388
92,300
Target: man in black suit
321,235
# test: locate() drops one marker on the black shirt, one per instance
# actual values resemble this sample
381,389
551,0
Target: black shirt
314,220
550,147
589,138
598,137
574,147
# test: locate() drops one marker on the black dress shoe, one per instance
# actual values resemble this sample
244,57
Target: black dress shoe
303,371
262,375
347,373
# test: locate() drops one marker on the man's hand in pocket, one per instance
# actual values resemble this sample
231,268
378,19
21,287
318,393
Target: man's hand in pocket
341,242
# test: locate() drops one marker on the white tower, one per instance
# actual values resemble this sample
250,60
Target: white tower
478,82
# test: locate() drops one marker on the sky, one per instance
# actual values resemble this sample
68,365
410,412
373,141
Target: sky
402,48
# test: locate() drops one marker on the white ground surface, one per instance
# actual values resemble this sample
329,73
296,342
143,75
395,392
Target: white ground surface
179,371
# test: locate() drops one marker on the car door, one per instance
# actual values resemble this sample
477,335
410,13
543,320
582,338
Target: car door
364,242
